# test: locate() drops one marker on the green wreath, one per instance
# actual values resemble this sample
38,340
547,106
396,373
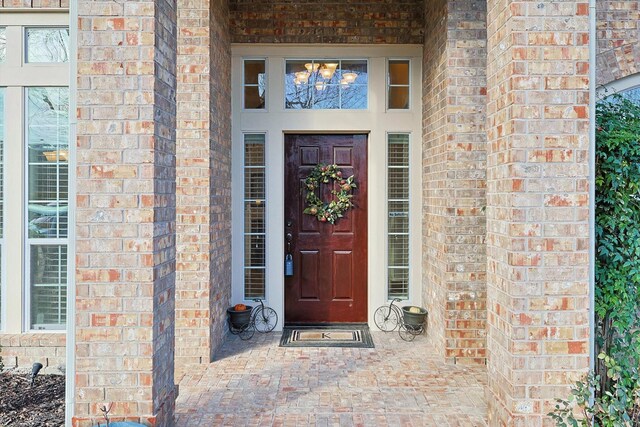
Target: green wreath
331,211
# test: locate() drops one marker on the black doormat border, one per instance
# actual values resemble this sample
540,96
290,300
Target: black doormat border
290,328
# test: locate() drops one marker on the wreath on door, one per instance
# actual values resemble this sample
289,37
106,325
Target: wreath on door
342,191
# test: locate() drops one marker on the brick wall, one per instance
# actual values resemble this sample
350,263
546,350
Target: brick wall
35,4
220,173
434,142
23,350
204,205
454,161
537,206
618,39
311,21
125,230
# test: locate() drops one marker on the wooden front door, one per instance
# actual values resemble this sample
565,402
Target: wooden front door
329,283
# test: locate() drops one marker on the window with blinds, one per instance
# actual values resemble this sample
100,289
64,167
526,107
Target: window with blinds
47,203
398,216
254,216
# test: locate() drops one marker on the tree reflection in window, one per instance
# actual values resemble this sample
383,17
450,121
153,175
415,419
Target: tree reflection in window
326,84
3,44
47,45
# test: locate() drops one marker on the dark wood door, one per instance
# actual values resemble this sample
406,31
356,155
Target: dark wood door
329,283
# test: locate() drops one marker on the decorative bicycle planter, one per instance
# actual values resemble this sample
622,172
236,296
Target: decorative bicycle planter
244,320
410,321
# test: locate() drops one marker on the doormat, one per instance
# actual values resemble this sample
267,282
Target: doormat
354,335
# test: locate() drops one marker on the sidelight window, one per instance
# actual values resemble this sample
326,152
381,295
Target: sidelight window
398,216
254,216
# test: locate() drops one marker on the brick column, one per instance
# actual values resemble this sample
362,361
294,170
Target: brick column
203,287
126,211
537,206
454,160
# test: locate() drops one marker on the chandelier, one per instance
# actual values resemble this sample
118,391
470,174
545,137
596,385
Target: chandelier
323,73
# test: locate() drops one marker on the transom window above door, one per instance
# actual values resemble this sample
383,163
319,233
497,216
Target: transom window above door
326,84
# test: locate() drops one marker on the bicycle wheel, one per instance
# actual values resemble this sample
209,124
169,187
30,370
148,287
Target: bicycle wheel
266,319
406,333
385,318
246,332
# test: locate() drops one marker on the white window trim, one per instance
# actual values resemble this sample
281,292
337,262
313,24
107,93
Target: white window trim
15,76
376,121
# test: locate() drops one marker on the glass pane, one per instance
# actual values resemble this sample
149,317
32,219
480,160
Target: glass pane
325,97
398,183
48,286
48,169
326,84
398,221
398,250
253,97
47,45
3,44
632,95
254,183
399,72
254,250
254,217
399,217
254,279
354,97
253,152
398,151
398,97
253,71
398,283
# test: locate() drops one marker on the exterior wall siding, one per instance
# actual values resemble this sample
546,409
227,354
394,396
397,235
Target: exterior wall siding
618,40
454,178
126,211
307,21
537,206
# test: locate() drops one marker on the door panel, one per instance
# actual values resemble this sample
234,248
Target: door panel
330,261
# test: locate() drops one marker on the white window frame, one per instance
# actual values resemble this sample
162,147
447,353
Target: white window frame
16,75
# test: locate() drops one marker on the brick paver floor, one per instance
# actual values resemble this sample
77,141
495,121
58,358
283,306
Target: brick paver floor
258,383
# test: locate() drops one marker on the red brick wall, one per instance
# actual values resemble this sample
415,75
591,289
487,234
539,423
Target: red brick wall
312,21
454,160
618,39
24,350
